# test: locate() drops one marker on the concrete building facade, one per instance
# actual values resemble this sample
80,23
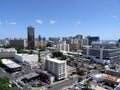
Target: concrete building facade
56,67
29,60
63,47
18,43
7,53
92,39
104,53
31,37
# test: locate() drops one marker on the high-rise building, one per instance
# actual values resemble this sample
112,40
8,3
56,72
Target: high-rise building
92,39
31,37
55,40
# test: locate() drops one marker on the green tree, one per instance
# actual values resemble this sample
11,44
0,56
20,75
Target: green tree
57,54
63,57
80,79
31,52
81,72
4,80
71,58
87,83
0,62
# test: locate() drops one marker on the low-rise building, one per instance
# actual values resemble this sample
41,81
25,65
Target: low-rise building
47,77
27,59
30,76
10,65
7,53
112,79
112,70
51,49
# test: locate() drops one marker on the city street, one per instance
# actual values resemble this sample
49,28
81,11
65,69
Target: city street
62,84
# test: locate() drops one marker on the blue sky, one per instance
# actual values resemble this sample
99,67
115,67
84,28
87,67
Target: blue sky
60,18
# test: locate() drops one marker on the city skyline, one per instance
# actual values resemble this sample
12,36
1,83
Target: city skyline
60,18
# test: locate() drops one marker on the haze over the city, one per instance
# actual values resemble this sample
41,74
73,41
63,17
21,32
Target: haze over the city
60,18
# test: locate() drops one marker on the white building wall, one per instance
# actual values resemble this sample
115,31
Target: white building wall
57,69
29,60
63,47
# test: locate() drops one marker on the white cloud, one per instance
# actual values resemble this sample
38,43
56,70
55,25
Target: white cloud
39,21
12,23
114,16
52,22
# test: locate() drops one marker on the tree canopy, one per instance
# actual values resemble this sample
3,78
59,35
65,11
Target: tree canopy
59,55
0,62
4,82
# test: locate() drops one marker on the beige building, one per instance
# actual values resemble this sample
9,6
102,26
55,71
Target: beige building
19,43
41,43
63,47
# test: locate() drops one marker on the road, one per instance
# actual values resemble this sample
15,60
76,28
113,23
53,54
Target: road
63,84
4,73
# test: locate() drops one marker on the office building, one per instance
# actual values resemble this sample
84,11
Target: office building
102,52
56,67
55,40
31,37
18,43
50,44
4,42
63,47
28,60
40,44
92,39
84,42
7,53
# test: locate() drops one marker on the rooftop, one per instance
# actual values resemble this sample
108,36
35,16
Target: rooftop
118,87
7,50
55,60
30,75
10,63
100,88
26,54
114,68
110,77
